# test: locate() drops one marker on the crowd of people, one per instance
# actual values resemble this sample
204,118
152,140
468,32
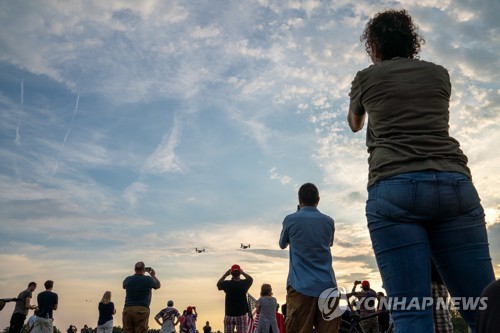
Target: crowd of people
136,310
423,212
135,315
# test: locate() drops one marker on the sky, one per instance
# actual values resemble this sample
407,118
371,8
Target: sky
141,130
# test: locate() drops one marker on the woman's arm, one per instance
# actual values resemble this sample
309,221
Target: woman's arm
355,122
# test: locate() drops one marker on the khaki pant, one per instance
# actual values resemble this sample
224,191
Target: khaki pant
302,313
135,319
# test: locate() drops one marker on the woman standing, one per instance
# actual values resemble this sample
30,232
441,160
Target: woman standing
106,312
421,199
183,328
266,308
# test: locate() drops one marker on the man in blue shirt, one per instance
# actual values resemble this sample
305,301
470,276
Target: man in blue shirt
138,298
310,236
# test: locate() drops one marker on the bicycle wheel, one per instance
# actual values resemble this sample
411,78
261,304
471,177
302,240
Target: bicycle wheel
347,327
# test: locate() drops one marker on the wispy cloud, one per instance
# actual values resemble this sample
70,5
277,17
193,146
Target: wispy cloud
75,110
164,158
134,191
275,176
18,135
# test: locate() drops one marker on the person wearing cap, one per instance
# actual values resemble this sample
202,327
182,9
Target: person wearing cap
366,305
236,306
190,319
169,318
310,236
138,298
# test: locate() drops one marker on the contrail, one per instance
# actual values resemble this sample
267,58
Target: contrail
67,132
72,118
18,135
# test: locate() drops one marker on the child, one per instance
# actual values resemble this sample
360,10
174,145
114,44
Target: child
266,308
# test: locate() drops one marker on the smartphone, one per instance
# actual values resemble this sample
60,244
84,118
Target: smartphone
148,269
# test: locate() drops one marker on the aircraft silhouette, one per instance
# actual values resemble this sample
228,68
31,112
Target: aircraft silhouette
243,246
199,250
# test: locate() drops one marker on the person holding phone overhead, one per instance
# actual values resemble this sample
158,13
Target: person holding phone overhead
138,298
421,203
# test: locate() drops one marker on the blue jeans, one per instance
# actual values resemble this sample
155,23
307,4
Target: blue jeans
418,215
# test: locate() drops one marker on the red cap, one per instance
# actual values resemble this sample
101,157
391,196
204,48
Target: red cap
189,309
365,284
235,268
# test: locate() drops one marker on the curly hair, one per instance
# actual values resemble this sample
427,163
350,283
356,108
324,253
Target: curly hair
392,34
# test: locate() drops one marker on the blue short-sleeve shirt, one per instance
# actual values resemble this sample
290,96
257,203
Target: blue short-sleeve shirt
309,233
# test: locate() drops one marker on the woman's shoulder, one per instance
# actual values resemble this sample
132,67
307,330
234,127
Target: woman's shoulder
430,64
396,65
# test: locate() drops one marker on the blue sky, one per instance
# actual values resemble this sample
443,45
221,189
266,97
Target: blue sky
140,130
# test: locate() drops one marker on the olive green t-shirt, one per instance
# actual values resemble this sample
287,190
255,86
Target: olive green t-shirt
407,102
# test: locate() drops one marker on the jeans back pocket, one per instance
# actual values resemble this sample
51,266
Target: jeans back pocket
468,197
395,198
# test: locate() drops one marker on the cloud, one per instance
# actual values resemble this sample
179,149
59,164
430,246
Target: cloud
492,215
275,176
283,254
116,33
134,191
466,37
62,196
205,32
494,240
164,158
